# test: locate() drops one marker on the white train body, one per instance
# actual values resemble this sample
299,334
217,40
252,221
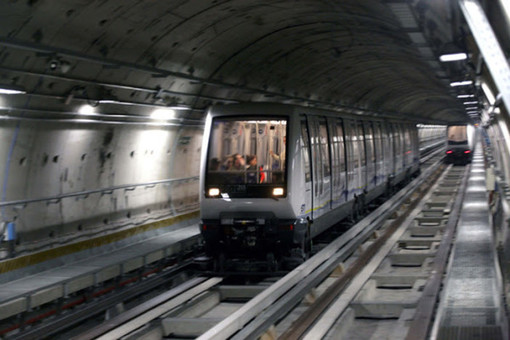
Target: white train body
313,168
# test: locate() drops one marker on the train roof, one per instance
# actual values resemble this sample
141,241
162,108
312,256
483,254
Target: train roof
271,109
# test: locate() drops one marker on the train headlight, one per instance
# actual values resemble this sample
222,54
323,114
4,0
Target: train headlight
277,191
214,192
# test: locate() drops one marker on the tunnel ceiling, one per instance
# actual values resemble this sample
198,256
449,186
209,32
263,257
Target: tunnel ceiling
125,57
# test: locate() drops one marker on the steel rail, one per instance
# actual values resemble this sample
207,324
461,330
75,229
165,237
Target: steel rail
64,321
422,321
431,154
139,310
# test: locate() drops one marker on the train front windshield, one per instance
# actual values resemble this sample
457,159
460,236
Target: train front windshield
457,134
246,157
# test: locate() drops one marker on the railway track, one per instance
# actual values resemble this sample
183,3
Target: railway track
81,315
368,283
397,277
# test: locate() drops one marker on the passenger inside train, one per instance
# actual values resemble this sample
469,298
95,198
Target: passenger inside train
251,169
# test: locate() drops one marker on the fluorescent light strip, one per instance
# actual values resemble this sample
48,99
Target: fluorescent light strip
163,114
453,57
470,103
461,83
466,96
11,89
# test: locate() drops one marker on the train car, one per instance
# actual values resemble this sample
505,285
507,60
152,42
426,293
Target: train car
458,145
273,176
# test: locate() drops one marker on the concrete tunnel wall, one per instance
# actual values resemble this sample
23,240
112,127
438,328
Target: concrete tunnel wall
44,160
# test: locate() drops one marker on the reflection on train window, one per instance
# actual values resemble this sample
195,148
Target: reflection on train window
323,135
305,151
247,151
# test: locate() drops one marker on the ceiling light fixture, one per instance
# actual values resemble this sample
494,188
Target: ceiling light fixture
86,110
11,89
163,114
470,103
452,57
461,83
466,96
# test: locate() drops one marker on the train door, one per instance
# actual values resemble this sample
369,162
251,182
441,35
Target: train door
306,166
370,154
320,166
338,176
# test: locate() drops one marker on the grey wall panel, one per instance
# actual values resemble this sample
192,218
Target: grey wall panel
52,160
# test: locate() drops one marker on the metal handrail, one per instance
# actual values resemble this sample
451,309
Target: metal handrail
103,191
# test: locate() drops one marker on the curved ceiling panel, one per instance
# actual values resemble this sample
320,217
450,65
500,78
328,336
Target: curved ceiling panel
192,53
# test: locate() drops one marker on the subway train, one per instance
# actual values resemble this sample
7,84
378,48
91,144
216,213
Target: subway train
273,176
459,145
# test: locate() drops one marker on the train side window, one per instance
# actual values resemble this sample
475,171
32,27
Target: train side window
355,148
334,152
305,151
408,144
337,152
316,160
340,144
323,132
355,177
378,150
361,144
388,147
370,151
397,145
370,140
